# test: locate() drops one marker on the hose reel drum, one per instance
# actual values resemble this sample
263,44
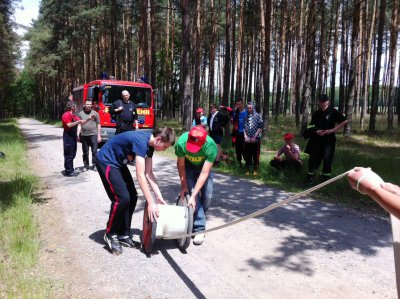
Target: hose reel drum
173,220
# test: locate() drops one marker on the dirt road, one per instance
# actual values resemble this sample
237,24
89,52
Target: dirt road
305,250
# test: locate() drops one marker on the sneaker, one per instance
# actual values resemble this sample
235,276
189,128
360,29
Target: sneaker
112,243
74,173
93,167
255,172
129,242
198,239
85,168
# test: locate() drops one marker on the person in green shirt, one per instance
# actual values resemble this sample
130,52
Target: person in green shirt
196,153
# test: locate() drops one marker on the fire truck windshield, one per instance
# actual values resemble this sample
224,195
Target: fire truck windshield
140,96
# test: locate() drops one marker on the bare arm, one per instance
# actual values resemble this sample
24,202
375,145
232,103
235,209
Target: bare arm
205,171
152,180
387,195
98,132
75,123
182,176
337,127
141,177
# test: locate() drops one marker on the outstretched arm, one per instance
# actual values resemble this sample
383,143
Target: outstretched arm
387,195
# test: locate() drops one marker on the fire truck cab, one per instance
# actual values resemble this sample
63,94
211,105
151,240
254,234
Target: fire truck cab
106,92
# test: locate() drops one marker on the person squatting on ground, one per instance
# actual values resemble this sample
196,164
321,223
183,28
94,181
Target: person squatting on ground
125,113
387,195
253,125
89,134
291,151
216,123
118,183
322,139
200,119
238,130
196,153
70,137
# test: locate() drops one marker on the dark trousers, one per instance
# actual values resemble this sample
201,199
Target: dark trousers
121,190
252,154
323,153
286,163
89,141
239,147
70,145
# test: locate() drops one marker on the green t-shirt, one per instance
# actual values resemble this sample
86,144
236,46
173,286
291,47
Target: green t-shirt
208,151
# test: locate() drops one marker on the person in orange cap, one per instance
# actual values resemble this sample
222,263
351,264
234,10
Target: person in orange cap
291,151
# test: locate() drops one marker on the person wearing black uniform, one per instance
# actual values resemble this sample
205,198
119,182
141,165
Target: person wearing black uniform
321,132
125,112
216,122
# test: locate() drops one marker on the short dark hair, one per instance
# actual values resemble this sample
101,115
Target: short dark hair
323,98
69,105
167,135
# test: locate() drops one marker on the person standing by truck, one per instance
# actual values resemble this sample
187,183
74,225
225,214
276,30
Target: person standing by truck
125,113
89,134
70,122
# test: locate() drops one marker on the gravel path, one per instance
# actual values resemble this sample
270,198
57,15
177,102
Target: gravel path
307,249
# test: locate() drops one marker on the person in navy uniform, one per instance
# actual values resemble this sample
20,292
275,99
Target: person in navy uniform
125,112
70,137
322,140
112,167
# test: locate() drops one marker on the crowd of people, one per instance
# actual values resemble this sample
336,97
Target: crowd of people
197,152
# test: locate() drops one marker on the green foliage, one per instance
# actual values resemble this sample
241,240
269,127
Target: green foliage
19,239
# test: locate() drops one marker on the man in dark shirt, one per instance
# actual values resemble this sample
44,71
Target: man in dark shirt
125,112
321,131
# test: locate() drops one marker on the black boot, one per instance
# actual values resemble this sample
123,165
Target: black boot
311,180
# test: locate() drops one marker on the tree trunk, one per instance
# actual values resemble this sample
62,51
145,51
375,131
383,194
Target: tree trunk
266,8
375,83
197,53
394,25
240,51
353,67
153,22
227,65
367,62
186,99
211,84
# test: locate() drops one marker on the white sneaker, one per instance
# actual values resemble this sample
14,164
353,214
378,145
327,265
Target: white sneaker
198,239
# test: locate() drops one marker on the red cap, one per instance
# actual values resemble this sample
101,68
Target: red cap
199,110
197,137
288,136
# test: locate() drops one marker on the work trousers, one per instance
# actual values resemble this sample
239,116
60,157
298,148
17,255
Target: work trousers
121,190
89,141
203,199
239,147
70,146
323,152
252,154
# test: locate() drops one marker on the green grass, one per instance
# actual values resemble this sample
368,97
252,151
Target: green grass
379,151
19,233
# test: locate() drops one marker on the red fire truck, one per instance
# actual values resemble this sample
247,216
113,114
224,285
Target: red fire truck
108,91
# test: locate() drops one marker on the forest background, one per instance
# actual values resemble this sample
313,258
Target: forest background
196,52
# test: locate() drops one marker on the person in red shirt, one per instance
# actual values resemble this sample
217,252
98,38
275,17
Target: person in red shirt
70,136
